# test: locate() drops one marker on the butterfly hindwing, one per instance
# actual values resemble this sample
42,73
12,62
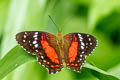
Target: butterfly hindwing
76,47
44,46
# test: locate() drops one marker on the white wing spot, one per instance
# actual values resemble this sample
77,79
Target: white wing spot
24,49
29,41
44,60
82,44
78,71
89,39
23,40
25,36
34,42
80,59
28,52
82,47
36,45
52,73
42,57
83,63
25,32
79,35
88,35
83,52
90,43
97,43
35,35
36,50
67,64
36,38
40,63
30,44
80,55
86,43
36,32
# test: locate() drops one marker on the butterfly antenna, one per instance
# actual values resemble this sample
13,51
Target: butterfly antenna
54,23
66,23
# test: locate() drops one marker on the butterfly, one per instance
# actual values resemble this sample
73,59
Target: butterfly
55,52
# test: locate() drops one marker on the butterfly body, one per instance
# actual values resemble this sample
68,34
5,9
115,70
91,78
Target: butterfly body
55,52
60,43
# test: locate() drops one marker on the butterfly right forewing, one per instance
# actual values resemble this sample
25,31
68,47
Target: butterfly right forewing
44,46
77,47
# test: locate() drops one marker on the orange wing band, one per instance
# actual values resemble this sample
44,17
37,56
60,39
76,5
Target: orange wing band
73,51
50,51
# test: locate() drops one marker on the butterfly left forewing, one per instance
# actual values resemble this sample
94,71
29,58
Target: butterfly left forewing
44,46
76,47
29,40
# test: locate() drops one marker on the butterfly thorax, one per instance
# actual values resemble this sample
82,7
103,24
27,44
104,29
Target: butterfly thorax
60,43
59,37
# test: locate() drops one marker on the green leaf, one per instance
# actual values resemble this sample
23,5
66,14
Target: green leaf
100,9
14,58
100,73
115,70
17,56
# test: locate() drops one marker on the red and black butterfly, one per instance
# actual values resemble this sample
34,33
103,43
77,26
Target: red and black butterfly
55,52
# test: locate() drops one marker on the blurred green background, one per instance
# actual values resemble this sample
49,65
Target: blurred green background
100,18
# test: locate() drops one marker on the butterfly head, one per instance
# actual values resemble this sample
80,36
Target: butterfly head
59,38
